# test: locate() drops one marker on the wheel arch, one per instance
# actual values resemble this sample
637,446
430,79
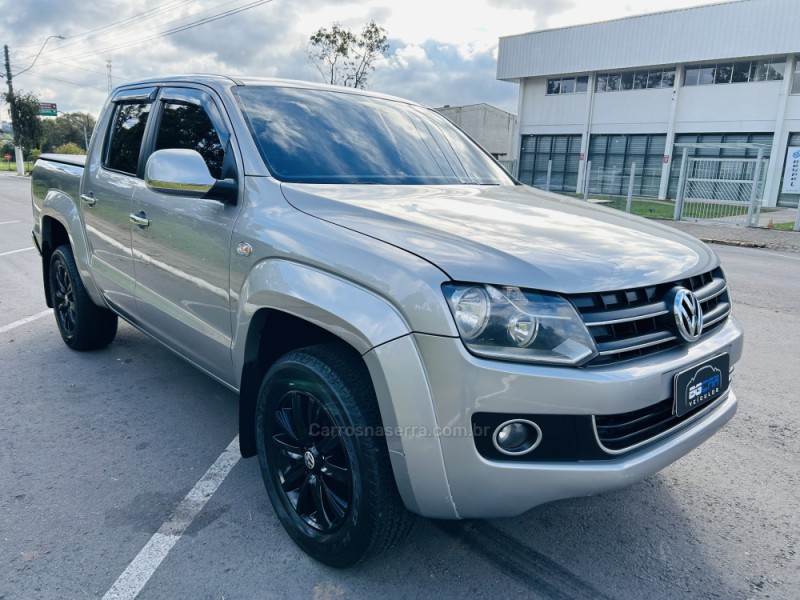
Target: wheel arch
61,223
286,305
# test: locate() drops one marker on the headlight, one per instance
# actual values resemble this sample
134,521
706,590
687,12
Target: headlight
521,325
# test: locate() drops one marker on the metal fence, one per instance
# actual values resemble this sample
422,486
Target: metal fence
616,181
723,190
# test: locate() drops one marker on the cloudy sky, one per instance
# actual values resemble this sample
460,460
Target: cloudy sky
442,51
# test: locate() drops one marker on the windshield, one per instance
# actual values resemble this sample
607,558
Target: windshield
323,136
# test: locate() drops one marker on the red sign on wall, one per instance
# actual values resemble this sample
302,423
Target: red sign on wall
582,156
666,159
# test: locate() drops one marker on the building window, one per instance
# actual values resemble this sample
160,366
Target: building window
568,85
612,157
765,69
796,78
538,150
765,139
636,80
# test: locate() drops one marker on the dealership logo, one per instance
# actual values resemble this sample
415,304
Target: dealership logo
704,386
688,315
796,154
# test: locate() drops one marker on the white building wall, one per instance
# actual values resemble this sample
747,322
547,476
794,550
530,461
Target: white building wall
735,31
745,107
631,111
491,127
743,28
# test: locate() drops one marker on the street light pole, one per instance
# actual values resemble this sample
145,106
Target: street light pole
11,102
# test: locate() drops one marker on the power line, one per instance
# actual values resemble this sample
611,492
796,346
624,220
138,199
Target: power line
91,87
173,31
107,29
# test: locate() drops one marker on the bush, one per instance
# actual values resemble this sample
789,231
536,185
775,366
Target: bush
68,148
35,154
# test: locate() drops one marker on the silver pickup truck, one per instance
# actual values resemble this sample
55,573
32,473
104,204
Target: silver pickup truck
409,329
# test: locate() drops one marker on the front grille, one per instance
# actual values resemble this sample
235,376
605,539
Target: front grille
617,433
628,324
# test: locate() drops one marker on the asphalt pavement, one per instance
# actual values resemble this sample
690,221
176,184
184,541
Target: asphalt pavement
97,450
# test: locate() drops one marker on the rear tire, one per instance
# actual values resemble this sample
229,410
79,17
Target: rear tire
324,461
83,325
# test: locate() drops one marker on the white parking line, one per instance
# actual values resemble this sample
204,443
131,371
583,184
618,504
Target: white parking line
16,324
15,251
134,578
8,222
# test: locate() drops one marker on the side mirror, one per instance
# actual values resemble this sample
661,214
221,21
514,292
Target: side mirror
184,173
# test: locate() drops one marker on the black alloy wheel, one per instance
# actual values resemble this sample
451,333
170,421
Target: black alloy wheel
312,461
64,299
83,325
324,458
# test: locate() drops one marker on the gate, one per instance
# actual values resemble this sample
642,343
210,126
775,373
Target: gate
721,190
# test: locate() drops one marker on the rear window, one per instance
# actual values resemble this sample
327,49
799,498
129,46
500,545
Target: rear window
125,142
321,136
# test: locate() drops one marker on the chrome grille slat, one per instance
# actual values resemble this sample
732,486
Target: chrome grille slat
628,324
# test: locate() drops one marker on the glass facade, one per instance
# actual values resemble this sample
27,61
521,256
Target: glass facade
538,150
568,85
636,80
715,138
764,69
612,157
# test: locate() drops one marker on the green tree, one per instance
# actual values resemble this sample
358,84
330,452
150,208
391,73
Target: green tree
66,128
24,107
344,58
69,148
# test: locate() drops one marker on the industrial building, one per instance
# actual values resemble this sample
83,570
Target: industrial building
718,80
491,127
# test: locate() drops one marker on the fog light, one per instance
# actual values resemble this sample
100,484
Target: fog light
517,437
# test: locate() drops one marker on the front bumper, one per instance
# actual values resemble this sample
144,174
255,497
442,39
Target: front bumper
458,386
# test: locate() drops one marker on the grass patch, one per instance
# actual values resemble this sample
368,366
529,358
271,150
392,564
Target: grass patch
783,226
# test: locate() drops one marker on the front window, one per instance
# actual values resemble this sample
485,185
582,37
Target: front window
321,136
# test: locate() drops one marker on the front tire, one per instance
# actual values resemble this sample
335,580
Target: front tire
324,459
83,325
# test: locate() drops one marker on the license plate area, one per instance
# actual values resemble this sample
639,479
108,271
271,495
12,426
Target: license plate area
701,384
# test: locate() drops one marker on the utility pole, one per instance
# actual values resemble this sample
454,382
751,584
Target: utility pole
12,103
12,110
108,69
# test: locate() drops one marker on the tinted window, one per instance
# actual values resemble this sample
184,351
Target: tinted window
316,136
187,126
127,131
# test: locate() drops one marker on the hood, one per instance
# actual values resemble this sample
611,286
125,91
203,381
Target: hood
511,235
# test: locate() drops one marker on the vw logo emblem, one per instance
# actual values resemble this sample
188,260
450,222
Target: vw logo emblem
688,315
309,459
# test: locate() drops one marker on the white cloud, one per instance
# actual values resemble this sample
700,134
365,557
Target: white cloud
442,52
411,56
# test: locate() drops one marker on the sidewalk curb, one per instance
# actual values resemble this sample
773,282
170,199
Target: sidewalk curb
740,243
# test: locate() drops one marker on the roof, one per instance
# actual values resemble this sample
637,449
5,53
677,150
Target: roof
224,81
742,28
477,106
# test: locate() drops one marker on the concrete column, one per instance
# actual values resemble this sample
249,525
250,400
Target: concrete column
516,136
779,140
668,149
587,128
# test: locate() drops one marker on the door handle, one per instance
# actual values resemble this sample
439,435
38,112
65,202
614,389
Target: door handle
88,199
140,219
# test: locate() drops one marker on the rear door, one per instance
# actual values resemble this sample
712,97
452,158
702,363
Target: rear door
113,171
182,256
